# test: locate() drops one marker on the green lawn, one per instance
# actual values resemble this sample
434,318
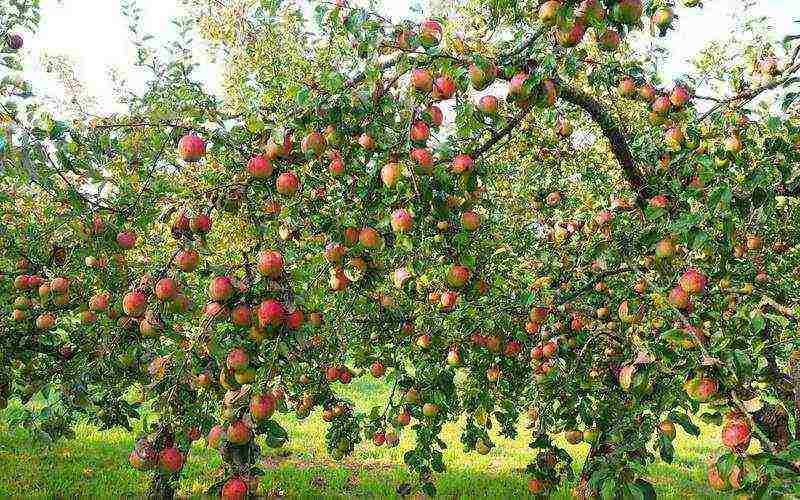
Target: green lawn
94,465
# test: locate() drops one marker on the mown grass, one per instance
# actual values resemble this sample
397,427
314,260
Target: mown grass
94,465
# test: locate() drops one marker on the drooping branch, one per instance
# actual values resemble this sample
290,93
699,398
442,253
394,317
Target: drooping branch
612,132
745,97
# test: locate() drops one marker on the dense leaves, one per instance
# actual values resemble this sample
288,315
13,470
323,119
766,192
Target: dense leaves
496,226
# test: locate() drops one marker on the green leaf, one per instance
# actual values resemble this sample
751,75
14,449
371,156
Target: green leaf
646,489
685,422
757,323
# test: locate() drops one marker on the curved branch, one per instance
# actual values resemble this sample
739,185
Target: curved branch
612,132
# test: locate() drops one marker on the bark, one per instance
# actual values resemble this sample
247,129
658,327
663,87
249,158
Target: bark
161,488
614,135
794,370
774,423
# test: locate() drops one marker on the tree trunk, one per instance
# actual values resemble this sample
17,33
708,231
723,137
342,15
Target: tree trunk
161,487
794,370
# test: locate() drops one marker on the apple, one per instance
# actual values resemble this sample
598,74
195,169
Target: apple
234,489
390,173
220,288
430,33
259,167
287,183
170,460
134,303
238,433
488,105
401,220
187,260
165,289
201,223
443,88
462,163
421,80
271,313
191,148
126,239
270,264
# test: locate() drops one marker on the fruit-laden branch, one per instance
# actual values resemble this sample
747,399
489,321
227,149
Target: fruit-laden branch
619,143
590,286
512,124
745,97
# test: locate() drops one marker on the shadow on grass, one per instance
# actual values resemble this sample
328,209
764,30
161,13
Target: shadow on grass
94,465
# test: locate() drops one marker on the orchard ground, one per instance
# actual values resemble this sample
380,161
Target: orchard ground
94,464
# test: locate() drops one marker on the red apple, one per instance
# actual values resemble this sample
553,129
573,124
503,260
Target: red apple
191,148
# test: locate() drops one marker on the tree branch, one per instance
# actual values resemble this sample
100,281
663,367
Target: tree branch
619,143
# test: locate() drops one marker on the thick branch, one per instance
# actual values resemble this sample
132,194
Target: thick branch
794,370
619,143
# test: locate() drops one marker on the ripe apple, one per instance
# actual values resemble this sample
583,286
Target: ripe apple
241,315
443,88
270,264
448,300
366,141
287,183
126,239
628,11
201,223
369,238
271,313
312,144
377,369
401,220
482,76
430,33
488,105
220,288
661,105
609,40
693,282
390,173
165,289
187,260
430,409
627,87
548,11
423,158
259,167
421,80
239,433
679,96
462,163
191,148
234,489
170,460
262,406
134,303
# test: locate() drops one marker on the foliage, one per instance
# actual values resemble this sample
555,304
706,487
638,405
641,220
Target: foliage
498,217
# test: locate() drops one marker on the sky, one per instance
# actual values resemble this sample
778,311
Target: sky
93,34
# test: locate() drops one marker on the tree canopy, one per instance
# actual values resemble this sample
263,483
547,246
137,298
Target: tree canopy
500,209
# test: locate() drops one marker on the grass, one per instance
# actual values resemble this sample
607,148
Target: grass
94,465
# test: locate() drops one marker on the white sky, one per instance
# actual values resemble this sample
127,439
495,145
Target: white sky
94,35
